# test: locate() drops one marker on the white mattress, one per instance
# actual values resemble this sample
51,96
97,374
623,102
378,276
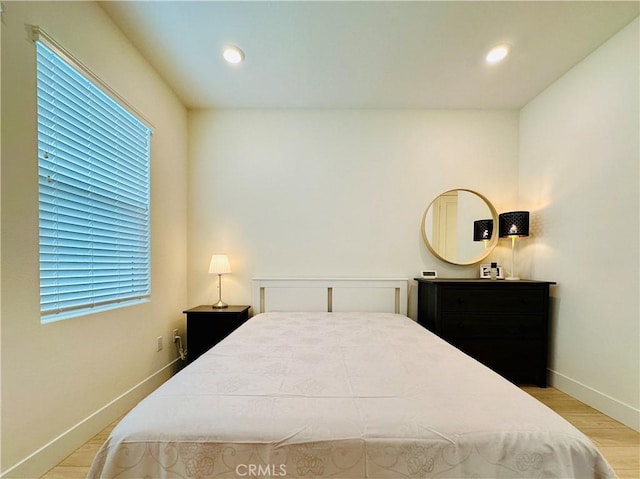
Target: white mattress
342,395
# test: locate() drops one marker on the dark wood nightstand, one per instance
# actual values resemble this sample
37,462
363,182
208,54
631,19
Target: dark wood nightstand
207,326
503,324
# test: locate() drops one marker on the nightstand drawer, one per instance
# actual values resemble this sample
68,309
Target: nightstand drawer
479,300
471,325
207,326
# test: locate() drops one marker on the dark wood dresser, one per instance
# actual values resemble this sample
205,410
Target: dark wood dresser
503,324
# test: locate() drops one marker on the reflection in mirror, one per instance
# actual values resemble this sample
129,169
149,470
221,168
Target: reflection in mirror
482,231
458,228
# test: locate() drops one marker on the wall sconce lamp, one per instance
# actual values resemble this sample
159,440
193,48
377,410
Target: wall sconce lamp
219,265
482,231
513,225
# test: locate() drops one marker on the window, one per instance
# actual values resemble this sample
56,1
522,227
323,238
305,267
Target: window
93,161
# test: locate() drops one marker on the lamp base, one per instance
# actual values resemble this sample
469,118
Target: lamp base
220,305
512,278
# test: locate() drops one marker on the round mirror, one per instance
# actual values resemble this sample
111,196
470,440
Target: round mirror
459,227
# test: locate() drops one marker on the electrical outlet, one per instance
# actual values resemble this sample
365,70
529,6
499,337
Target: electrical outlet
159,339
175,333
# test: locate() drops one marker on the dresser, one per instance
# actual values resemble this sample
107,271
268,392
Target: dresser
502,324
207,326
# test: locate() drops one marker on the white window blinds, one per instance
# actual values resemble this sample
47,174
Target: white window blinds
93,159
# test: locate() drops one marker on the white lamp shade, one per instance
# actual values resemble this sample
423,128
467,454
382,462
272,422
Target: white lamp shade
219,264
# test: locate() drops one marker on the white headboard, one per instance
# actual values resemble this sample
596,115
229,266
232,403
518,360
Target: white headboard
330,294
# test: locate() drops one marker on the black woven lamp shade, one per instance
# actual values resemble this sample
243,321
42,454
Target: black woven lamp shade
514,223
482,230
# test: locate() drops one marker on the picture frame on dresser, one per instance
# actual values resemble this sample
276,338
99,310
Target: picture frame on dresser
485,271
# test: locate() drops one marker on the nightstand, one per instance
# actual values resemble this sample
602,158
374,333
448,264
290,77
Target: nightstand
207,326
502,324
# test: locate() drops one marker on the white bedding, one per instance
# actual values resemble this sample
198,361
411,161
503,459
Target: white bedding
342,395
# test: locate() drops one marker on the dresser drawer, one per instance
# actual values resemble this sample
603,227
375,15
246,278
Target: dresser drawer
504,300
502,324
472,325
507,357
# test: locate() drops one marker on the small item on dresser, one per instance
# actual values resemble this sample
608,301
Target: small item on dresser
430,274
486,271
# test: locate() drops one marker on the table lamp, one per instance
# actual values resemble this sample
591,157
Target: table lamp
513,225
219,265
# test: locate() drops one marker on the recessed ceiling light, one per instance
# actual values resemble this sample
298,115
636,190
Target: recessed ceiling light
233,54
498,53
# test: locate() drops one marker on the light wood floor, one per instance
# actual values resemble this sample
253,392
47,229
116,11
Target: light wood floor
618,443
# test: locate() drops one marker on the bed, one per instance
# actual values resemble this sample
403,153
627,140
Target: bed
342,394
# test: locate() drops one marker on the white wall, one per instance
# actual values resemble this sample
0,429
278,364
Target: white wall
579,162
56,377
333,192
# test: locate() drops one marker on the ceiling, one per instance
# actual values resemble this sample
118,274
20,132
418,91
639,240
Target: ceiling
361,54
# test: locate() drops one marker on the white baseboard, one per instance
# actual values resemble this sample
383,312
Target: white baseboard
624,413
41,461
